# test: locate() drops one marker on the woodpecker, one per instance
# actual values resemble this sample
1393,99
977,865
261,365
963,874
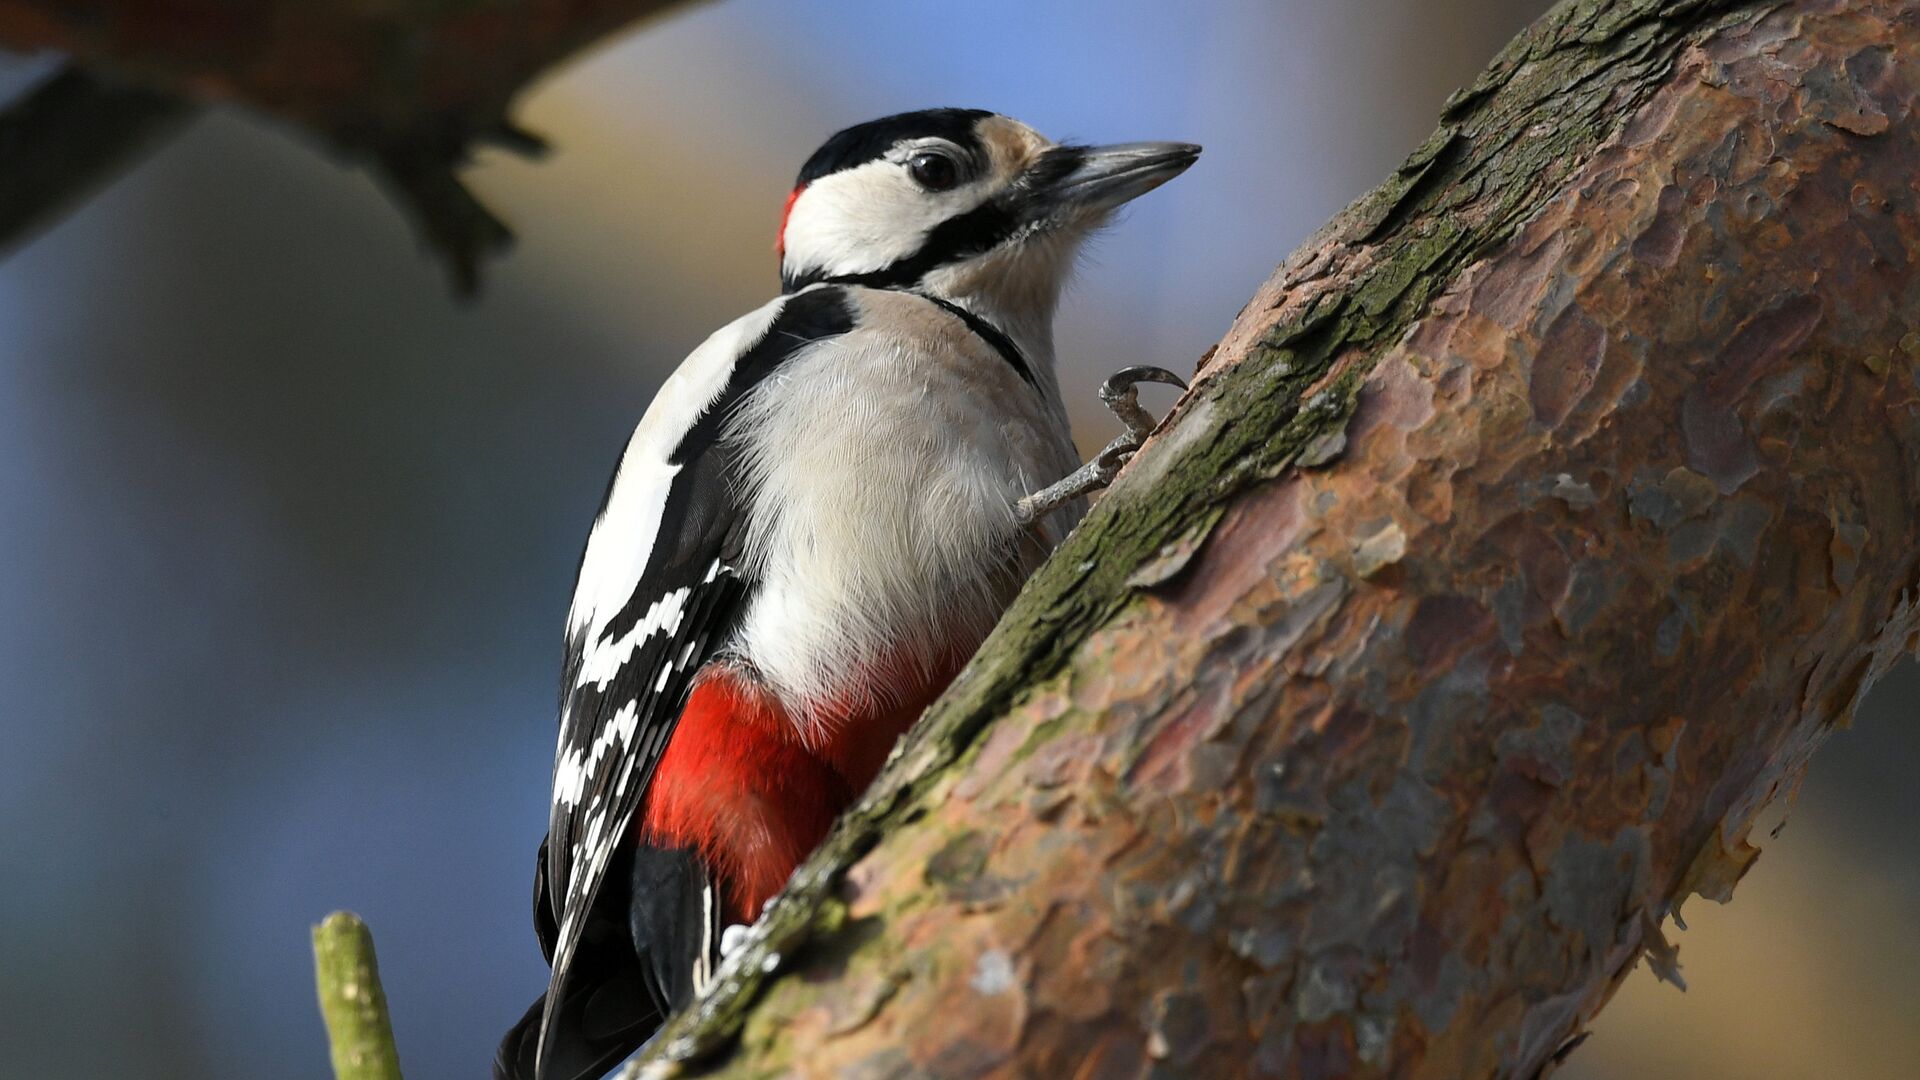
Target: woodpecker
823,512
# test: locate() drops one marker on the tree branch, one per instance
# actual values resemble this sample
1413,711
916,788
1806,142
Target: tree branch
409,87
69,135
1522,540
351,1000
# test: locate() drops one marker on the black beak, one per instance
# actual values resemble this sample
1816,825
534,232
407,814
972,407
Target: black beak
1092,179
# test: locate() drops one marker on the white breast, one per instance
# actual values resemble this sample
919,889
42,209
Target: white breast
882,468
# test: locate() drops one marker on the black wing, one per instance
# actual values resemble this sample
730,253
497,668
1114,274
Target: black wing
627,677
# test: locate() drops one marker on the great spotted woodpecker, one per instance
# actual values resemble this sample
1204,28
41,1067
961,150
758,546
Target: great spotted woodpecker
817,521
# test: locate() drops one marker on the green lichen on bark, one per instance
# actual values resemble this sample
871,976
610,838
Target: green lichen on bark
1508,145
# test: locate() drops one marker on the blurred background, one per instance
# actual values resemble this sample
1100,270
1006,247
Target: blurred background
288,534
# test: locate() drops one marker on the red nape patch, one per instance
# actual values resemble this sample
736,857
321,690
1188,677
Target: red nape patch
780,241
736,784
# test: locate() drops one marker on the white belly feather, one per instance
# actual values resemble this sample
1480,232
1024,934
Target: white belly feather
882,468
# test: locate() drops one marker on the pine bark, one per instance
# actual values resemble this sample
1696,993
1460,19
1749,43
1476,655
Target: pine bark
1520,543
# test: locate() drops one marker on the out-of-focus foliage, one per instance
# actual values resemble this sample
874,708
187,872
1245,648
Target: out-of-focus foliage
288,535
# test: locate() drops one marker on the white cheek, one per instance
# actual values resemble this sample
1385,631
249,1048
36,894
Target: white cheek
864,219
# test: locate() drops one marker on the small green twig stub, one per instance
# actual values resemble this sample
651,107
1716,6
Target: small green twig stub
351,1001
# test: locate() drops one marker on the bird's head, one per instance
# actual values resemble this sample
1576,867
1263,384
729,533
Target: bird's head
960,203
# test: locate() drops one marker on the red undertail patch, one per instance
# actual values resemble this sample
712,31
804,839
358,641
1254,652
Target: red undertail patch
740,785
736,784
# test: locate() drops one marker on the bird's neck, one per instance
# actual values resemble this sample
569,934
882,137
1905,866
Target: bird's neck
1017,296
1030,328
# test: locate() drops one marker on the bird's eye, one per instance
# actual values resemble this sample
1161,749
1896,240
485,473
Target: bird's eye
935,172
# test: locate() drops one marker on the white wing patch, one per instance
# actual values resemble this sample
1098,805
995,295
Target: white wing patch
616,557
603,660
623,537
570,778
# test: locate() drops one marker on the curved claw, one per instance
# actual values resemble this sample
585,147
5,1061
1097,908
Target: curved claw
1122,396
1126,377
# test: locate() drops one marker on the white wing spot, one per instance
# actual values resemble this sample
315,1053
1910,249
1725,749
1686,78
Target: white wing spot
623,536
570,776
603,660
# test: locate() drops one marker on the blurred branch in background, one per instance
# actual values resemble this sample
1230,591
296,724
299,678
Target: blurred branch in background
359,1031
410,88
68,136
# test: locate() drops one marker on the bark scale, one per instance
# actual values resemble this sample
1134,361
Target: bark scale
1524,537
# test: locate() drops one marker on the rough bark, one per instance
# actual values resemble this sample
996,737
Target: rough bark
411,87
1527,533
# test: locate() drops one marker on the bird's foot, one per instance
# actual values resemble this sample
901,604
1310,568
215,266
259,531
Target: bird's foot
1121,395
